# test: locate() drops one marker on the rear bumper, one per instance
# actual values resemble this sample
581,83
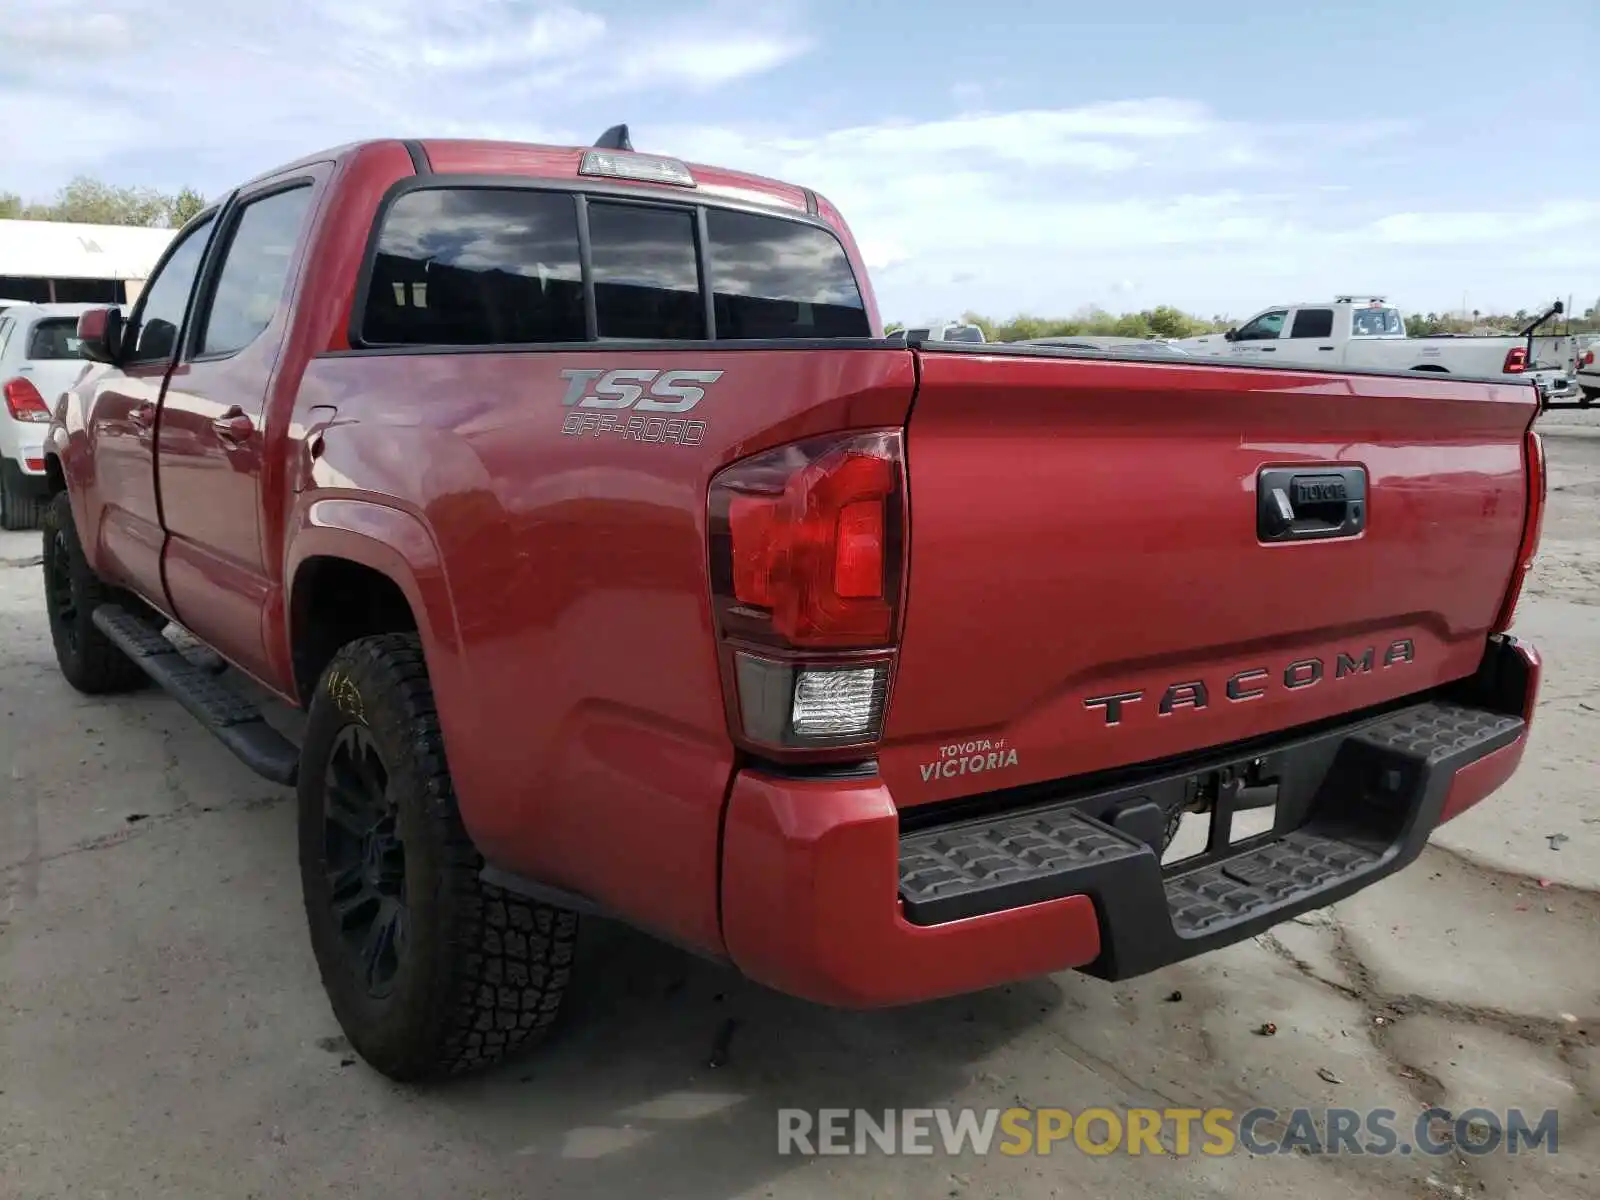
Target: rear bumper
1559,388
28,471
825,896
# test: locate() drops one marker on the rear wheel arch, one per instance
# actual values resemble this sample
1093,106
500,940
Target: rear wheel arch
387,555
333,601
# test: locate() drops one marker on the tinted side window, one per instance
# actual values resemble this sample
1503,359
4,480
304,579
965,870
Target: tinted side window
1264,328
254,270
476,267
56,337
646,275
781,279
1312,323
166,296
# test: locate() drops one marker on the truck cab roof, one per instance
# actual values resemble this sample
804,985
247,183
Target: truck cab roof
475,156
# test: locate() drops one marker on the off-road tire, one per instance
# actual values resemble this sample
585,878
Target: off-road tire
19,508
482,972
1590,395
89,660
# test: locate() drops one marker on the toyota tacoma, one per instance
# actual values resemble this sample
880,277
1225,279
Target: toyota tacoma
620,565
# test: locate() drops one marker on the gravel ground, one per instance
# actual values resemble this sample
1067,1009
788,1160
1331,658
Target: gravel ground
163,1033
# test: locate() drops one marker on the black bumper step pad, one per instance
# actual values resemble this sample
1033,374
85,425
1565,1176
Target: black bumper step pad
1371,796
232,718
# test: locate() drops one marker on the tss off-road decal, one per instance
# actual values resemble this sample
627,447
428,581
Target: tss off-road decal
611,403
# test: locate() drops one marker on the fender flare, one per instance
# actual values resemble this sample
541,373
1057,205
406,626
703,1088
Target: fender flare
388,539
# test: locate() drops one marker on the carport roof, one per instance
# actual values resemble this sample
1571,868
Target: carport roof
63,250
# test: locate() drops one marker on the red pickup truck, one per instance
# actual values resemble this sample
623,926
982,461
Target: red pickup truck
622,566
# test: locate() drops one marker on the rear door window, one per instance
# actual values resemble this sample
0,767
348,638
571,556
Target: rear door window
780,279
54,337
646,272
1312,323
255,270
476,267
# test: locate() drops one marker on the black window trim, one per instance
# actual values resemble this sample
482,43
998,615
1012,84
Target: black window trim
214,214
216,257
582,191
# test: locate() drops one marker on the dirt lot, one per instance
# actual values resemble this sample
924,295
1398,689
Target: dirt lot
163,1033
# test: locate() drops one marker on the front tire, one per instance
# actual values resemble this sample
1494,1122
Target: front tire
88,659
430,971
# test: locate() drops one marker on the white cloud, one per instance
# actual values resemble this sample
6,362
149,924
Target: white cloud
1047,210
1457,228
988,207
214,90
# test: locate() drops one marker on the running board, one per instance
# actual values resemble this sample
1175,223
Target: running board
235,721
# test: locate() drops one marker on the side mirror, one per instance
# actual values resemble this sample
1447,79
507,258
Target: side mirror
1231,336
100,334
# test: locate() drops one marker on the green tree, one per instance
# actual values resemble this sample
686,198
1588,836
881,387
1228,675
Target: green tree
94,202
186,204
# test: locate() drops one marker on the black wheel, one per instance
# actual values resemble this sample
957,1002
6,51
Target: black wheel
90,661
431,972
1588,398
19,507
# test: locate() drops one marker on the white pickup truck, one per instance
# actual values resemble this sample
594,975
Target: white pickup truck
1368,331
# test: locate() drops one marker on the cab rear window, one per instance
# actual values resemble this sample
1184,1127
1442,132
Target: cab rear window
494,266
1375,322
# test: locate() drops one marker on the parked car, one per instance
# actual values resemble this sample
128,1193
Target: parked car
878,671
38,360
1367,331
1588,374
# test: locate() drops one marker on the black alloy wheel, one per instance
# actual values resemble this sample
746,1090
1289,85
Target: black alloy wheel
366,860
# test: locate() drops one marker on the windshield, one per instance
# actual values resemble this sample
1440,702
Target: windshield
1376,322
54,338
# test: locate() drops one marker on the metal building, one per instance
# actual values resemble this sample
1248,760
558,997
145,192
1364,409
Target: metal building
60,262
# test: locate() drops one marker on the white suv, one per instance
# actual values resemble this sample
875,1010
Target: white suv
38,361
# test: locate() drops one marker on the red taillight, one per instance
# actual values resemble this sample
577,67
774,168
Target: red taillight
1532,529
805,543
806,565
1516,360
34,464
24,402
1588,358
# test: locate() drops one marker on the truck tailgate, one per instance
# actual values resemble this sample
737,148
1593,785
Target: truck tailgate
1092,582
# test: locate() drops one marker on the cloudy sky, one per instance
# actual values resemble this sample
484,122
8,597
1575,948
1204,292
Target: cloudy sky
1025,156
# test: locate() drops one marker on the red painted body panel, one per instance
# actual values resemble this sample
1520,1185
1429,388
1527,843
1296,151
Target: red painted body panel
121,522
583,697
219,571
1074,527
1081,529
810,905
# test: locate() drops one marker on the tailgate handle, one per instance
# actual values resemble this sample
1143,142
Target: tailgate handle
1296,504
